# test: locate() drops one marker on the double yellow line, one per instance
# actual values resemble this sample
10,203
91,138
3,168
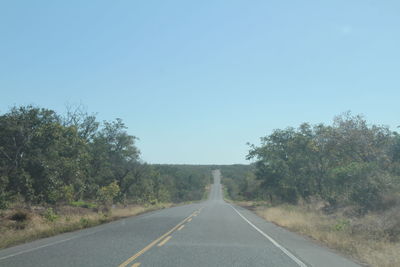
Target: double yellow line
152,244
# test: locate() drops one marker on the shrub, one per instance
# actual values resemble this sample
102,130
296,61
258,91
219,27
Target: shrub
50,215
19,216
84,222
391,225
3,200
67,192
107,193
341,225
362,184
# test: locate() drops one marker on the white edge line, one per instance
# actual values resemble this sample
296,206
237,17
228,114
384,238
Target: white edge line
36,248
50,244
284,250
56,242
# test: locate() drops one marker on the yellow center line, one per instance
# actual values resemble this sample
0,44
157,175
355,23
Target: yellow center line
149,246
190,219
180,228
162,243
137,264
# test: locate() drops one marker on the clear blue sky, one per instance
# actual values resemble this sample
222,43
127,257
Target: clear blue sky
196,80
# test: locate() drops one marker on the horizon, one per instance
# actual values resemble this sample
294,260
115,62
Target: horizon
196,82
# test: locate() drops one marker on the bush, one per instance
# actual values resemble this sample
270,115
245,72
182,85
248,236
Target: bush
3,200
341,225
19,216
84,222
50,215
107,193
67,192
391,225
362,184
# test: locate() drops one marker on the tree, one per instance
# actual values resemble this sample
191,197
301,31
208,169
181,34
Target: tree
348,162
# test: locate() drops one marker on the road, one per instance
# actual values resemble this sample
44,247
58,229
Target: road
211,233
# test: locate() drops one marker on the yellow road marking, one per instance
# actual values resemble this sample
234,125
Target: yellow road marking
190,219
137,264
162,243
149,246
197,212
180,228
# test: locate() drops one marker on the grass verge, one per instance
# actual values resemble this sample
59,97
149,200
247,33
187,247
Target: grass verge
22,225
364,238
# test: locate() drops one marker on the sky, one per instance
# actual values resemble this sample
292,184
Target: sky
196,80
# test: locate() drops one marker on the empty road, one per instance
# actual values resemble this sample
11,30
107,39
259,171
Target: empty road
211,233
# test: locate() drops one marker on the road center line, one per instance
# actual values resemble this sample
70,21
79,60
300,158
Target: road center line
180,228
56,242
149,246
162,243
276,244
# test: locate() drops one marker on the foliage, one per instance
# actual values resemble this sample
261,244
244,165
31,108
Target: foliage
108,193
68,193
347,163
50,215
341,225
85,222
19,216
48,158
3,200
240,181
183,182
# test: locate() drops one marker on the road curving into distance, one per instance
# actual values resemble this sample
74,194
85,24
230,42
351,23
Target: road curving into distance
211,233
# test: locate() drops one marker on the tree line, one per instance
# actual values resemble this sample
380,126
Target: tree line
347,163
49,158
239,181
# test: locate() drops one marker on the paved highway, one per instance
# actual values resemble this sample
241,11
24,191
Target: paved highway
211,233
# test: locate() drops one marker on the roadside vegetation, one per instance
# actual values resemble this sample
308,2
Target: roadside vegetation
339,184
21,225
61,173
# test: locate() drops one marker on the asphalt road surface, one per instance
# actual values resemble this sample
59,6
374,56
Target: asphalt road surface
211,233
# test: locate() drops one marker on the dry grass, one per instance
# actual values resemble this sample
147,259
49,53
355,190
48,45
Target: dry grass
363,238
66,219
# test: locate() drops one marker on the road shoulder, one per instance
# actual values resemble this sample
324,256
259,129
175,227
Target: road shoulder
306,250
